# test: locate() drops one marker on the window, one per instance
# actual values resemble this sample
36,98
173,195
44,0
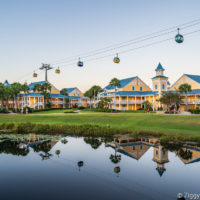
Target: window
156,152
133,88
140,88
163,153
133,148
74,94
141,147
116,90
156,86
163,86
78,94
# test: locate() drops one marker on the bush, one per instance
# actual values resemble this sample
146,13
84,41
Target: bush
195,111
7,126
81,107
4,110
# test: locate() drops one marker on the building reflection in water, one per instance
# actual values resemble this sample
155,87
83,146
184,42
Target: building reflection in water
19,144
137,147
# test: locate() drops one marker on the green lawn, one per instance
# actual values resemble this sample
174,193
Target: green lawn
54,111
171,124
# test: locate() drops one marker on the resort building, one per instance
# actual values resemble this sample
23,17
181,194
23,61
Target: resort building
76,98
36,100
132,92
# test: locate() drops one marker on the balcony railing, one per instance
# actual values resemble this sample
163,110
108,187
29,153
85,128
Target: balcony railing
57,102
129,102
191,101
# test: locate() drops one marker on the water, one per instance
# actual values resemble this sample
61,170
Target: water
46,167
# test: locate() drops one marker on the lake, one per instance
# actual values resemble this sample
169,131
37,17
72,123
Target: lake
56,167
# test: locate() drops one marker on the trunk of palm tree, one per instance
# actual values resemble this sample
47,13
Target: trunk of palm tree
115,99
186,101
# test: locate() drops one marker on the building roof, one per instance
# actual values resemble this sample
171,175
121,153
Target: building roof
31,85
159,68
159,77
6,83
76,97
193,92
57,96
132,93
160,171
31,94
194,77
123,83
69,90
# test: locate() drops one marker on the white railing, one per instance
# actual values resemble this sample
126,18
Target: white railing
129,102
57,102
191,101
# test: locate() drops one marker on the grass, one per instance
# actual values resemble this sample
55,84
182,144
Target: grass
169,124
55,111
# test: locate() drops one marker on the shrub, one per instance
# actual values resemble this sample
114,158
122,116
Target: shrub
81,107
7,126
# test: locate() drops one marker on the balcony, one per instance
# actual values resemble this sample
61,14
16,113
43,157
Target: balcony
125,102
191,101
57,102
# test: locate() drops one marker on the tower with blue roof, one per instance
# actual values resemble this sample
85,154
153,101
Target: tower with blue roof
160,81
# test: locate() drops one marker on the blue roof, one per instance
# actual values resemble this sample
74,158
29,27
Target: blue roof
69,90
133,93
57,96
194,77
123,83
76,97
6,83
159,67
32,94
196,91
31,85
159,77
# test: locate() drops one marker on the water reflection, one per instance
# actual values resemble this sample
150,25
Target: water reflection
137,147
97,168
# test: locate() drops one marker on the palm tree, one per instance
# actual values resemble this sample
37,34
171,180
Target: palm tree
64,92
116,83
114,158
25,89
15,90
89,94
185,88
43,89
95,90
2,89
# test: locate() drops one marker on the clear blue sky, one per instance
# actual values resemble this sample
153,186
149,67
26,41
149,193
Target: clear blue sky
37,31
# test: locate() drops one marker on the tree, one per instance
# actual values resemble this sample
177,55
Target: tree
92,93
171,100
116,83
95,90
25,89
185,88
15,90
114,158
64,92
147,105
104,102
2,89
89,94
44,90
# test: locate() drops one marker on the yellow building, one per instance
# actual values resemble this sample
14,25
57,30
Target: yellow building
193,99
160,156
132,92
76,98
36,100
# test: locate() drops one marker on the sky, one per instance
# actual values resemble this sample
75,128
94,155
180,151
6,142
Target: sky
50,31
